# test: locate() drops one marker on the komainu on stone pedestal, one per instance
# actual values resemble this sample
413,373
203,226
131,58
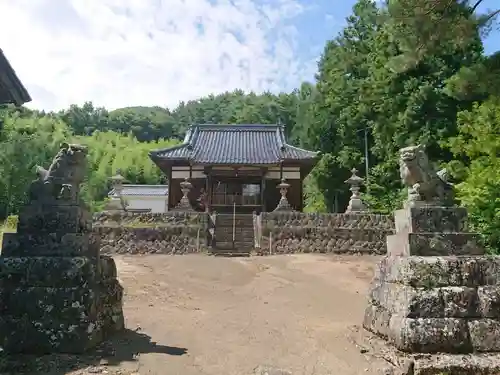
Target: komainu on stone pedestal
436,291
57,294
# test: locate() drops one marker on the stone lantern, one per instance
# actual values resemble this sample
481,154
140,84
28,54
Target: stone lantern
355,203
184,204
283,204
118,204
117,183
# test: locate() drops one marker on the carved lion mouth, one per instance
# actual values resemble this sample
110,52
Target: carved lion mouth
407,157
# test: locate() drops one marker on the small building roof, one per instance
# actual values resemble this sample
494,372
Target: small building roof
11,88
244,144
142,190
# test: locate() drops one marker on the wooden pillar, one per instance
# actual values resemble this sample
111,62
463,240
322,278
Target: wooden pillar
169,182
281,171
301,191
262,189
208,173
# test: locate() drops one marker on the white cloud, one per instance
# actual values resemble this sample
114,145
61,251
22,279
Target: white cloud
149,52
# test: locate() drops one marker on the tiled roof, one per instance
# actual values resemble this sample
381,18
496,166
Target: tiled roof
234,144
11,88
142,190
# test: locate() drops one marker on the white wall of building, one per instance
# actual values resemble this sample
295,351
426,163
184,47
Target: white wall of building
273,173
155,204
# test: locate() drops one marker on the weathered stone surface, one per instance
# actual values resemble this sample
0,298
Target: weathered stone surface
56,293
433,272
459,302
50,244
47,271
376,319
430,335
110,306
41,303
291,232
23,334
107,268
485,335
313,220
433,244
454,364
407,301
489,301
436,291
172,218
431,219
325,240
35,219
401,363
158,240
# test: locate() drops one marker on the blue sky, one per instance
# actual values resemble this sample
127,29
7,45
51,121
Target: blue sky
120,53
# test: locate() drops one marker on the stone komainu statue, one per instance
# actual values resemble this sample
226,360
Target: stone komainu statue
65,174
425,185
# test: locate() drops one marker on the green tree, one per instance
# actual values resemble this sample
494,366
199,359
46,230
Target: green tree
477,152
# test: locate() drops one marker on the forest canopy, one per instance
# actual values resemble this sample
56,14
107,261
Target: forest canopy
392,72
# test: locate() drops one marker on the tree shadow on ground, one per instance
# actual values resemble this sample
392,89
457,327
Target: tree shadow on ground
124,347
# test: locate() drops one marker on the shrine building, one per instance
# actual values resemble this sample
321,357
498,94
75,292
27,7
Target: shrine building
12,90
235,168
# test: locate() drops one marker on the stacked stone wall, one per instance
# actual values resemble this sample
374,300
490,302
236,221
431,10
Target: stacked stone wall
296,232
150,233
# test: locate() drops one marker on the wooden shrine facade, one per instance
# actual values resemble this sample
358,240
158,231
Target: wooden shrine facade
235,167
12,90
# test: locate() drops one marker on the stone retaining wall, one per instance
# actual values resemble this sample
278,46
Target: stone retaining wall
283,233
150,233
294,232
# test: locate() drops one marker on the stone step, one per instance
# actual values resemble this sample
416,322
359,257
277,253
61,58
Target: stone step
229,238
231,253
237,244
239,220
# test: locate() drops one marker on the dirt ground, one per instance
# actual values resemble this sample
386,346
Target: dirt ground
202,315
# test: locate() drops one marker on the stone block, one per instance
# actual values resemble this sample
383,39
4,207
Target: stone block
459,302
50,244
485,335
433,244
111,306
47,271
430,335
42,303
107,268
489,301
431,219
434,272
376,320
423,272
407,301
25,335
456,364
54,219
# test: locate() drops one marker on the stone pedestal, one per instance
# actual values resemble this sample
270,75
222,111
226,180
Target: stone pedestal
435,291
56,293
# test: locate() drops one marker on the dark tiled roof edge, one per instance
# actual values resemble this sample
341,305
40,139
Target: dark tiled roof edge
185,150
17,93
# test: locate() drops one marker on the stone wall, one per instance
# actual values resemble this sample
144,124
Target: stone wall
150,233
296,232
286,232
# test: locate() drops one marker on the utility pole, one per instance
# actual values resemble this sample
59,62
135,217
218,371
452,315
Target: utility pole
367,159
367,164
